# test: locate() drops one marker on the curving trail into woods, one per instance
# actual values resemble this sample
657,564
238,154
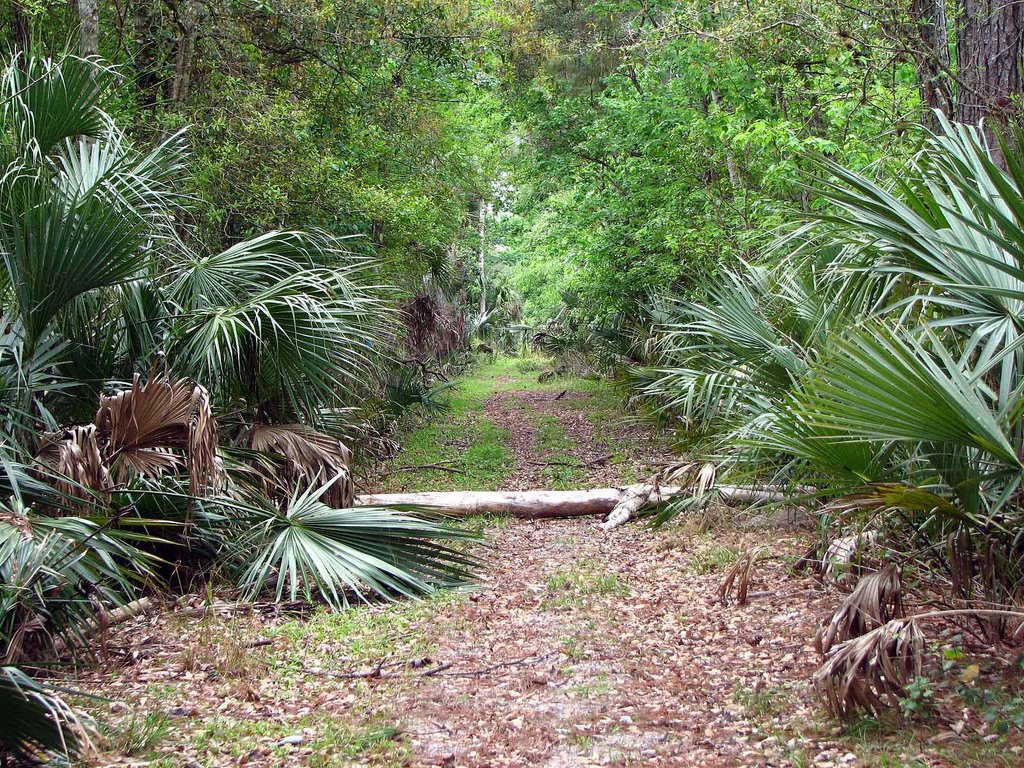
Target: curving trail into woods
579,647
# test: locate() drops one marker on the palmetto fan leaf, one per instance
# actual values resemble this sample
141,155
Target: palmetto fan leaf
312,549
36,719
46,101
55,248
150,430
953,226
878,384
284,315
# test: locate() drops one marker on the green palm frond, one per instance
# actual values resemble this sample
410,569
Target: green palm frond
286,311
312,550
45,102
36,721
878,384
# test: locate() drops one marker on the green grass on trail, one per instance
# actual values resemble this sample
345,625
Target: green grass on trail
477,451
460,438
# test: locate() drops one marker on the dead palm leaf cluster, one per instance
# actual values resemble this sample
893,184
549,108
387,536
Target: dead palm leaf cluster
434,328
151,430
301,457
737,579
869,673
876,600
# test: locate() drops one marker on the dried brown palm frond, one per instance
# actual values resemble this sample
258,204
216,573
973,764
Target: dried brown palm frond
738,576
153,428
870,672
76,458
304,458
699,478
434,328
876,600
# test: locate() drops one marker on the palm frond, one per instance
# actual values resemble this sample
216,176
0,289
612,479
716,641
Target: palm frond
876,600
37,721
314,550
303,458
869,673
144,425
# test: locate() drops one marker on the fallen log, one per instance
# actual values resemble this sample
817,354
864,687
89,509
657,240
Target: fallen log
534,505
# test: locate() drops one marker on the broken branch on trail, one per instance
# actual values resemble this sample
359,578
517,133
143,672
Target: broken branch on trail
534,505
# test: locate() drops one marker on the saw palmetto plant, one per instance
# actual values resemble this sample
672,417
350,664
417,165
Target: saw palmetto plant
158,399
882,367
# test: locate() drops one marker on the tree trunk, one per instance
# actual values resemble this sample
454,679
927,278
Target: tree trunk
989,49
188,30
932,54
534,505
19,30
730,159
145,60
483,263
88,27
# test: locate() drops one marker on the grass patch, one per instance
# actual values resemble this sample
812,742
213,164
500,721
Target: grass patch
712,559
599,686
486,523
762,703
137,734
891,742
474,449
553,441
570,587
362,633
334,743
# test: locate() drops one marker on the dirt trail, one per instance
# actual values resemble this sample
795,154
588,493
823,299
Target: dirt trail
606,649
591,648
580,647
588,446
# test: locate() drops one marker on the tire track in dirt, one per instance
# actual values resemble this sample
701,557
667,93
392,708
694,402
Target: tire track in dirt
518,412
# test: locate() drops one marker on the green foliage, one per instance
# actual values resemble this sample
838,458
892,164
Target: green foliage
888,375
286,329
309,548
663,140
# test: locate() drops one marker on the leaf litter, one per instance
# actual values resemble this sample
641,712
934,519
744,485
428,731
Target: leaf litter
579,647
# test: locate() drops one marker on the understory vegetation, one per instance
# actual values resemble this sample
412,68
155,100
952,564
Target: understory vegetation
262,259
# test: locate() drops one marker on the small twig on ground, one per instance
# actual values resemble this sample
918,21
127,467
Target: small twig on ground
375,673
561,394
524,661
577,465
419,467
